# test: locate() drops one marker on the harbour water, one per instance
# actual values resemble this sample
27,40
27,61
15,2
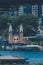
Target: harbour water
33,57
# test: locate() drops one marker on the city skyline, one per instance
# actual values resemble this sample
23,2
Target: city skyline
23,9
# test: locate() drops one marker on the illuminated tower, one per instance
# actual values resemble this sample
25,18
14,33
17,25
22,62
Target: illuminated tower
10,34
21,34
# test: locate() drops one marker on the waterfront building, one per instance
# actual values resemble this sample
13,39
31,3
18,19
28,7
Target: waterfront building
17,37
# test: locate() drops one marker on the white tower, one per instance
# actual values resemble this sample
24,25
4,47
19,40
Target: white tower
21,34
21,30
10,28
10,33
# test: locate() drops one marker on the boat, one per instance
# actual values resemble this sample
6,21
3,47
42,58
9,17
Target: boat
27,47
22,47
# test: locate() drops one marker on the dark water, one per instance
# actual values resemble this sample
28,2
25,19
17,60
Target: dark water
33,57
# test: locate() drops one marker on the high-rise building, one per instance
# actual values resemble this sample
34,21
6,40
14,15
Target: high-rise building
35,9
20,12
27,9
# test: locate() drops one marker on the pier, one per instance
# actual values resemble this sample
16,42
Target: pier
12,60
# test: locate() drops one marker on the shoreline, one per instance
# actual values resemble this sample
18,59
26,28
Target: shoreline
31,48
22,50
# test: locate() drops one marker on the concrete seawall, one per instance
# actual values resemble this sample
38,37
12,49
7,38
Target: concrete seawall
12,60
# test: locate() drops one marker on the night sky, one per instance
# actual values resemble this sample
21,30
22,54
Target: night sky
8,3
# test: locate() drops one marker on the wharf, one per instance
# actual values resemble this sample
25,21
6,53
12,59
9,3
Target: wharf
12,60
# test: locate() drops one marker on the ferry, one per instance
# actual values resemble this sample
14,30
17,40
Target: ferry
27,47
23,48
